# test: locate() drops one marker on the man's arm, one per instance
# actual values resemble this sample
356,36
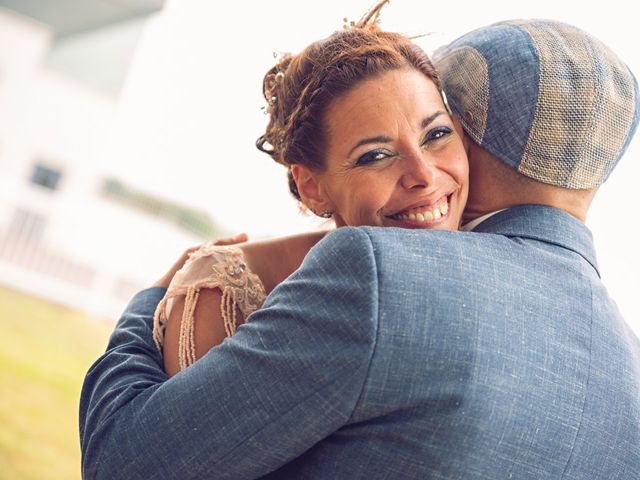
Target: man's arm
290,377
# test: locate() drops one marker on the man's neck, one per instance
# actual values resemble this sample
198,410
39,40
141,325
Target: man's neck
497,186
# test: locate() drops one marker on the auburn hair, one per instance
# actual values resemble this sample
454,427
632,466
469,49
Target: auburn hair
299,88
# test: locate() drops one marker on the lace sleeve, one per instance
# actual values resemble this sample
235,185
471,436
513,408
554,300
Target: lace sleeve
210,266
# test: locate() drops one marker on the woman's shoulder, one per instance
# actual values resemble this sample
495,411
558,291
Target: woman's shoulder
253,267
222,267
210,263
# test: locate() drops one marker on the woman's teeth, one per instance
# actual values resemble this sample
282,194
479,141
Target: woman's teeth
426,215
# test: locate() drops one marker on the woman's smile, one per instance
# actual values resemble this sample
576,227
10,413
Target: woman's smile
423,216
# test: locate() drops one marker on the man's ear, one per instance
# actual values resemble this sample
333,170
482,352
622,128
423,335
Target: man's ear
311,189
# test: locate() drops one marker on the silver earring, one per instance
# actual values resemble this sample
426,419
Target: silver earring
323,214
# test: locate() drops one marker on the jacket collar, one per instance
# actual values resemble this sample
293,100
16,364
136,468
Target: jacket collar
546,224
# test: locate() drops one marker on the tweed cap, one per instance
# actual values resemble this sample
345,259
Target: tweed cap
546,98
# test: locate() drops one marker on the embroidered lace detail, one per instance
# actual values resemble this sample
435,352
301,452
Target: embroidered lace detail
210,266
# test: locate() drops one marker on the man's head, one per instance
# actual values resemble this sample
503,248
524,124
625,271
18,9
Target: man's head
548,108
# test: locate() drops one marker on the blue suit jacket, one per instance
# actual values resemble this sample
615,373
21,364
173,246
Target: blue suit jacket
390,354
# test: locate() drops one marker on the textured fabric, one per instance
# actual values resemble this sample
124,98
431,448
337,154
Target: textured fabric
210,266
390,354
546,98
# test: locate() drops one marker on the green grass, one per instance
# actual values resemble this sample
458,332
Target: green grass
45,351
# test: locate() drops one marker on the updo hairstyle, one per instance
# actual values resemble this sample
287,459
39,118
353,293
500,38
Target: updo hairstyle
299,88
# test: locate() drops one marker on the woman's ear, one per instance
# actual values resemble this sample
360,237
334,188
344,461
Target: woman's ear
311,189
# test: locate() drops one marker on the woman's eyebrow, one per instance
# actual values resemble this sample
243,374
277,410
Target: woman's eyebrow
425,123
364,141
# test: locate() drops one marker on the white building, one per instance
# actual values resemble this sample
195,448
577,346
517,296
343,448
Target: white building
69,231
185,127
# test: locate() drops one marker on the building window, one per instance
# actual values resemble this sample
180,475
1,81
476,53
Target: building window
46,177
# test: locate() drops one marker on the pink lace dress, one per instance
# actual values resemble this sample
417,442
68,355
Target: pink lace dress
210,266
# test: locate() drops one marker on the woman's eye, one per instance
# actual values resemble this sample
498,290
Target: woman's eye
437,133
373,156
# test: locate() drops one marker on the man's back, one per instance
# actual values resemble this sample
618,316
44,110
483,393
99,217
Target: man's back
390,354
495,357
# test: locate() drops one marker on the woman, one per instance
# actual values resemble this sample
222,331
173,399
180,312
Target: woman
359,121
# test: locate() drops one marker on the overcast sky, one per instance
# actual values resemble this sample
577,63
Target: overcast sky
191,110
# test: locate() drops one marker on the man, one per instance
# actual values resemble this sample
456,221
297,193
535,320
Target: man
420,354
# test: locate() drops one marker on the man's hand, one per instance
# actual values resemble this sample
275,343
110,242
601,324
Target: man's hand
165,280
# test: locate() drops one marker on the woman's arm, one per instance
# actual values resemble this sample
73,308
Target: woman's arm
208,325
272,261
252,404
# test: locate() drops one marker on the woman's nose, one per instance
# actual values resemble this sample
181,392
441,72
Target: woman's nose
418,171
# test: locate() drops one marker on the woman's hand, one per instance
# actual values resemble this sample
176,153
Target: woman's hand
165,280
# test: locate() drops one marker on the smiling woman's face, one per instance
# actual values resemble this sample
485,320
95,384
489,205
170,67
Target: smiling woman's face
393,156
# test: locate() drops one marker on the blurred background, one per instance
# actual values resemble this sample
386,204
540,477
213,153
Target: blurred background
127,131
